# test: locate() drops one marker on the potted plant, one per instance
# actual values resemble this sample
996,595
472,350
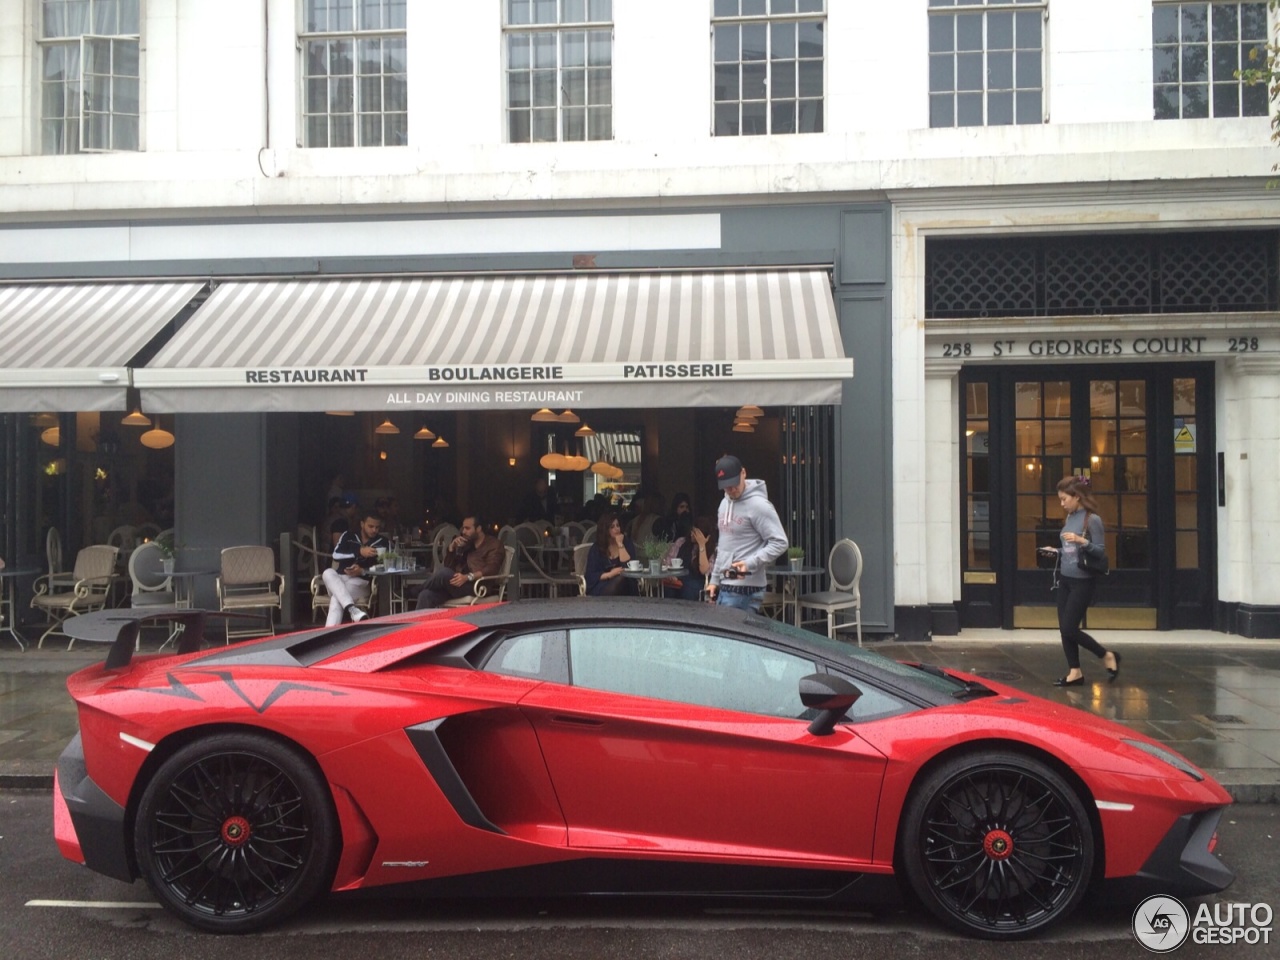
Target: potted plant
653,549
164,543
795,557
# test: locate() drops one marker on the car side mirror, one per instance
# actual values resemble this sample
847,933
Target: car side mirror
829,694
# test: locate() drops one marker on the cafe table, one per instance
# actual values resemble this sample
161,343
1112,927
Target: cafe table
184,585
9,600
790,578
651,582
397,602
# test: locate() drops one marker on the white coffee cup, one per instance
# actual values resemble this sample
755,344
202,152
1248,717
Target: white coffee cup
633,564
675,563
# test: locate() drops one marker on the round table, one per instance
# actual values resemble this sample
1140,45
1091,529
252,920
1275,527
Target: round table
790,577
396,601
182,584
650,581
9,600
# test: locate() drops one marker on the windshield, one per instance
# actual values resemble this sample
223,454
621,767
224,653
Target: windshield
843,652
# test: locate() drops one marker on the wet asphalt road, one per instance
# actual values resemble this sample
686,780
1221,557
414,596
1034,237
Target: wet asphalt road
32,869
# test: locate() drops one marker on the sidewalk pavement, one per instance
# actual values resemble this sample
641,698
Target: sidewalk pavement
1212,697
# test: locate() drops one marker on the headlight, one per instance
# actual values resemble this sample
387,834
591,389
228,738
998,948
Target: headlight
1168,756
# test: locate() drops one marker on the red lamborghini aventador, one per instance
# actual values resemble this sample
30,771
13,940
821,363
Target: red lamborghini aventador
605,746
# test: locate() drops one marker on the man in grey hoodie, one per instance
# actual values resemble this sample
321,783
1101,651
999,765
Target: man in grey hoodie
751,538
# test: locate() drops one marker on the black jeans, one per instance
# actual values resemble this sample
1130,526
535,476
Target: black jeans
1074,596
438,590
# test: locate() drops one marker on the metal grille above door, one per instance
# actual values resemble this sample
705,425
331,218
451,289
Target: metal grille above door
1113,275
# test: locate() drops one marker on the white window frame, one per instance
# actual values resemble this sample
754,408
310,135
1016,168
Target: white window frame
79,118
591,110
354,37
768,19
983,8
1211,76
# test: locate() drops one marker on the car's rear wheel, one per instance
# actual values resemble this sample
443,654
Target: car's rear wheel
235,832
996,845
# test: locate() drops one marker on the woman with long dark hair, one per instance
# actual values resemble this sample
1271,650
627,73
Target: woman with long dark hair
607,560
1082,532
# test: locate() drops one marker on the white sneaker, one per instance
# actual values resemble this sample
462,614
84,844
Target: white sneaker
356,613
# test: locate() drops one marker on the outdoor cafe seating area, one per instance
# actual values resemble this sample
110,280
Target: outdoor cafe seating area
255,584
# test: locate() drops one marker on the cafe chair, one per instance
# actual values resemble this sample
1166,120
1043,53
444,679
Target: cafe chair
844,570
53,551
488,589
152,587
248,581
440,543
87,589
320,599
537,579
529,543
580,554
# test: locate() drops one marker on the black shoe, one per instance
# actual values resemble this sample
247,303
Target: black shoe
1064,682
1112,674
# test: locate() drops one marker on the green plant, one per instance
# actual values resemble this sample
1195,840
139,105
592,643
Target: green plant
164,543
795,553
653,548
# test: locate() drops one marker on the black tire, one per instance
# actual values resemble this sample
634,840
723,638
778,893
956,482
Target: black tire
996,845
235,832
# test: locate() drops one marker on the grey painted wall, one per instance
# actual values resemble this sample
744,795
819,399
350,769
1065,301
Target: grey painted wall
237,474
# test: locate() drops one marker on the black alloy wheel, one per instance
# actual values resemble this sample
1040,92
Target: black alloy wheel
997,845
235,832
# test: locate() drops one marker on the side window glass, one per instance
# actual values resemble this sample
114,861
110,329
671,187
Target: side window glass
689,667
874,704
534,655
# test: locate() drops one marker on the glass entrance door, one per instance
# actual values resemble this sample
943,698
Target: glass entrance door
1138,435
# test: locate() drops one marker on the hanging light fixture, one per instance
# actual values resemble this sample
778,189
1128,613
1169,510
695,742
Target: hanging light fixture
424,434
750,410
578,464
552,461
569,417
440,443
44,420
339,413
136,418
744,426
382,454
386,427
544,416
51,435
157,438
584,431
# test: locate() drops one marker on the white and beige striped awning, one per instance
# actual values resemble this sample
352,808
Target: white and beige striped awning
505,342
68,346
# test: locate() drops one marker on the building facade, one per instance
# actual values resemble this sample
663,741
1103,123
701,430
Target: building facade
1045,226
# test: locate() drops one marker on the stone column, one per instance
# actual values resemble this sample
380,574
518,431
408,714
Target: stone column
1249,523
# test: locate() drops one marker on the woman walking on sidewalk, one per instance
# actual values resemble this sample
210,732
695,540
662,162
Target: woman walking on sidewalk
1082,533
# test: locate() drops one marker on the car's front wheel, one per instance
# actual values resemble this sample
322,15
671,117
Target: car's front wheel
996,845
235,832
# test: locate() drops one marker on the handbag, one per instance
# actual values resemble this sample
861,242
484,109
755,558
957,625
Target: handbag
1097,566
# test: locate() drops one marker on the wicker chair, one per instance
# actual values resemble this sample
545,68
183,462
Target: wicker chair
87,588
487,589
249,581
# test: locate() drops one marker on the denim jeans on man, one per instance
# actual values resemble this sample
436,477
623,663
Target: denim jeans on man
743,601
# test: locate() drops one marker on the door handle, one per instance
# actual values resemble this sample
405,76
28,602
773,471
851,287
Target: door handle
576,721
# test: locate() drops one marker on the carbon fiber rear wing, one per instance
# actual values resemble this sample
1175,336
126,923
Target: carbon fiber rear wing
120,629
